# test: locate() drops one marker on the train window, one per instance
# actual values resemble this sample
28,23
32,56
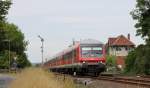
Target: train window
91,52
69,55
65,57
97,48
86,48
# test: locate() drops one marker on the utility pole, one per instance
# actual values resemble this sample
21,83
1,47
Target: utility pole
42,48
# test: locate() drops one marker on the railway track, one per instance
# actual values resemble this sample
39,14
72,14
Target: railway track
137,81
127,80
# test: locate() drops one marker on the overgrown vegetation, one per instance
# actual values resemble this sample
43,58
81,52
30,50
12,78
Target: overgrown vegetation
138,61
39,78
111,63
135,62
12,42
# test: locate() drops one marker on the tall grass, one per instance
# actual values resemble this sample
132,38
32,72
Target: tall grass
39,78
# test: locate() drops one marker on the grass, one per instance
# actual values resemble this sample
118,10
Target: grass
39,78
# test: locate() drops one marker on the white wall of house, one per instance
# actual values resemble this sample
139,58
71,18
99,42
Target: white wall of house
120,50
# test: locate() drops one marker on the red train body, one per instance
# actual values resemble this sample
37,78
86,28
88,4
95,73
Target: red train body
84,57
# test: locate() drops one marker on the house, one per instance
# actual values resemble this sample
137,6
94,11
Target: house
120,47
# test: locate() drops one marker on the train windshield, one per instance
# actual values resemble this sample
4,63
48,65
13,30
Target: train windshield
87,52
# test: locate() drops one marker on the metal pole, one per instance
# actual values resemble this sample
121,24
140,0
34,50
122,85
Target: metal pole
42,49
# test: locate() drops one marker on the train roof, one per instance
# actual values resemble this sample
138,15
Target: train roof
90,41
65,51
76,44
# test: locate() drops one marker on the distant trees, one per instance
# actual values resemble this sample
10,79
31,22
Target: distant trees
12,42
138,61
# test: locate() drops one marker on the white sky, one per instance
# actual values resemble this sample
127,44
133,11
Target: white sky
59,21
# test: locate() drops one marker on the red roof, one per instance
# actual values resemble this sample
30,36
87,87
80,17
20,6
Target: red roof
111,40
120,41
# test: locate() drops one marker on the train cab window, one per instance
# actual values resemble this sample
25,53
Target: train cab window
91,52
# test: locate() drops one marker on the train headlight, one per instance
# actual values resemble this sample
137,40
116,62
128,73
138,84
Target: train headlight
83,62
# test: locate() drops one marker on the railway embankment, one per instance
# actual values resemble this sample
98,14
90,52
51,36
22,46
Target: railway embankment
39,78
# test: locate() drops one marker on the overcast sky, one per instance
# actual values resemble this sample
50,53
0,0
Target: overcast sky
59,21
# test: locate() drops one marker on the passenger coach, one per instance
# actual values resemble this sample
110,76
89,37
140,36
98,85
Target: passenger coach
83,57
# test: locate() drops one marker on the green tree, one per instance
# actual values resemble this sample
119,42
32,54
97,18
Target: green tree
130,62
2,36
17,44
141,55
22,61
4,60
135,62
141,14
16,37
4,6
12,42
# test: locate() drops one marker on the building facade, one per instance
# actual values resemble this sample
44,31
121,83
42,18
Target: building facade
120,47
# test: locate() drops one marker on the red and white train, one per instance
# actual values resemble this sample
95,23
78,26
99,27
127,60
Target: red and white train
84,57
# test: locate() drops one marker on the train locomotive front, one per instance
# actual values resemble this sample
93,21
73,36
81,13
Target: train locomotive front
84,58
91,57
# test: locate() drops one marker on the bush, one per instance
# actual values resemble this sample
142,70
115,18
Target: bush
110,60
111,63
130,60
137,61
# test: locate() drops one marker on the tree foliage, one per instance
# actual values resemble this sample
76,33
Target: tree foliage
12,42
135,61
15,43
142,15
138,61
4,6
4,59
16,37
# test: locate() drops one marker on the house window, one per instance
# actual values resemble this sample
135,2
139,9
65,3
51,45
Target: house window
126,48
118,48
